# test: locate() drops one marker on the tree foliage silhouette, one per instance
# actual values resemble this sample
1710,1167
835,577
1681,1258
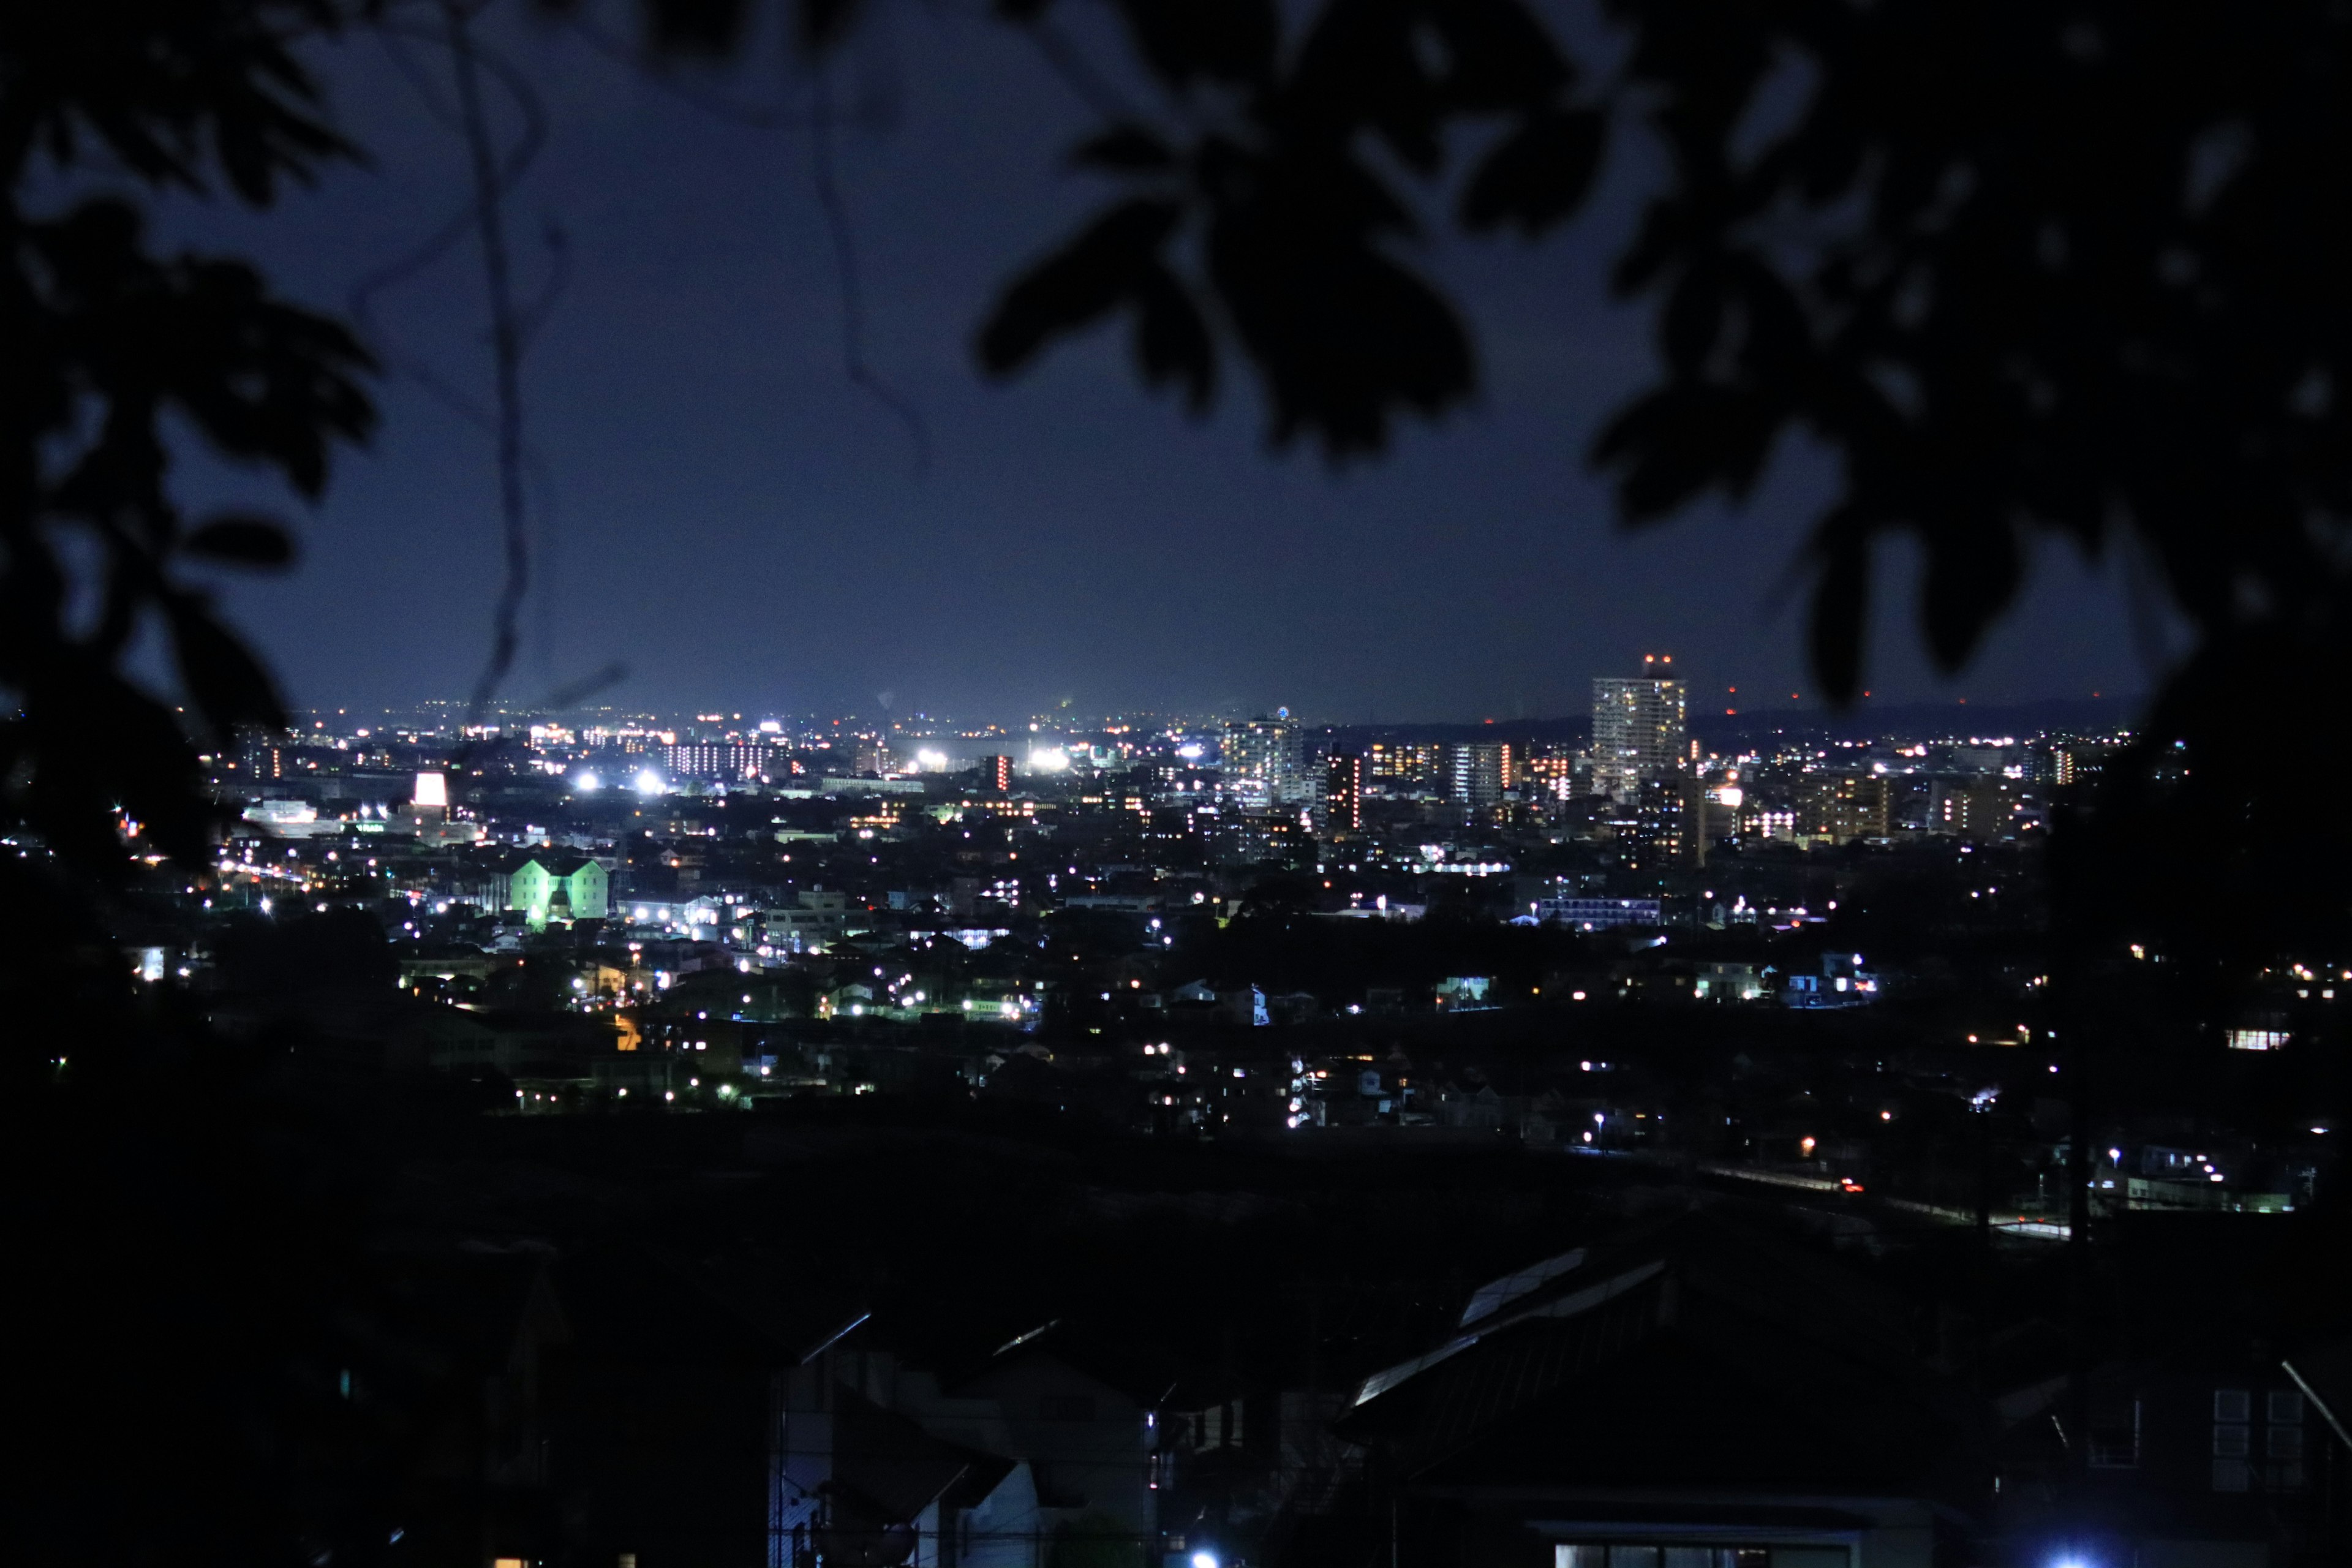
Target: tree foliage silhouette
185,1288
108,340
1277,199
2026,272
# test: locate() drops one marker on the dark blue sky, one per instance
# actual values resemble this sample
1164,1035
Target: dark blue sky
742,528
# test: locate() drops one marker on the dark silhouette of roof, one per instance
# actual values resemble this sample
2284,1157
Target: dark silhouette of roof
1689,1354
890,1469
560,865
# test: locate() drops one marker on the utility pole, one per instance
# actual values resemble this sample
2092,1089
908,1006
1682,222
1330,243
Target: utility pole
2077,1060
1982,1259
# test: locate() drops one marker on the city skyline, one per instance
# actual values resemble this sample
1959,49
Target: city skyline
2100,710
721,511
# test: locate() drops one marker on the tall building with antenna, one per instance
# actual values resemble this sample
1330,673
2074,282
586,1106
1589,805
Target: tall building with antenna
1640,725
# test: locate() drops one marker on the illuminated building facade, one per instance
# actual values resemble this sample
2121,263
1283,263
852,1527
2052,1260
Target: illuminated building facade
1475,773
725,761
1264,758
1554,774
2078,763
1639,727
1343,793
1667,826
1409,763
267,759
1843,807
1985,811
559,888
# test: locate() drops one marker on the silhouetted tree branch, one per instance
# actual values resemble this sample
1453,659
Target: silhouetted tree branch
107,341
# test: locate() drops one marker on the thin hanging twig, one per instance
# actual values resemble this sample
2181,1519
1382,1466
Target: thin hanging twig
1078,73
530,317
506,353
510,168
845,259
514,325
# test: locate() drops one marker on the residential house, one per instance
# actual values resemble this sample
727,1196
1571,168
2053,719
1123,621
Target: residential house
1687,1393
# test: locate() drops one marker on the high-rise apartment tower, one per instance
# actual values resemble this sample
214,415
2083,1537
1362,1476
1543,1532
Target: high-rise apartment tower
1476,772
1638,726
1267,757
1343,793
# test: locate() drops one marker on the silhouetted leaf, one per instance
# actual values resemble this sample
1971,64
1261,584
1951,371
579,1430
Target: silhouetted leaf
1362,66
229,687
1172,340
1538,176
242,541
699,26
1693,318
110,344
1972,576
89,745
157,86
1078,285
825,22
1677,443
1344,336
1841,608
1127,148
1185,41
1498,55
261,379
1408,69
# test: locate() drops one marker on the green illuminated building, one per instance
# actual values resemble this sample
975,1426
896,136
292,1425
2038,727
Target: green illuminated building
561,887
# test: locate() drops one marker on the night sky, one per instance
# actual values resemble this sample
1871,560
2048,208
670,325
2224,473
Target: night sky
744,528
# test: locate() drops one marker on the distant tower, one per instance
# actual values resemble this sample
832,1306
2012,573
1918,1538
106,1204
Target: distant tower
1343,793
1637,727
996,774
1265,757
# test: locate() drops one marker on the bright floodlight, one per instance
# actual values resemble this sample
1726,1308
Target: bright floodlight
1048,760
649,782
586,783
935,760
1204,1560
432,789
